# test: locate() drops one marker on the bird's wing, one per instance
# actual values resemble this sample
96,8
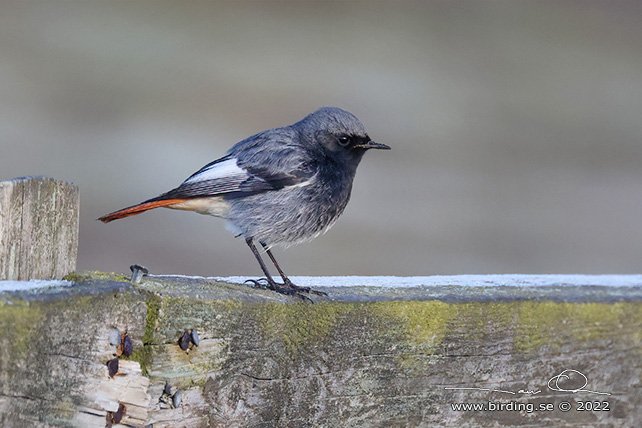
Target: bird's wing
267,161
247,169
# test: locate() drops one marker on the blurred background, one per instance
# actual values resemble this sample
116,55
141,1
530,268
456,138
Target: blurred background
516,127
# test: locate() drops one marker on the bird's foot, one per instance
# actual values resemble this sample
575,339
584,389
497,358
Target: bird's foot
258,283
308,290
287,287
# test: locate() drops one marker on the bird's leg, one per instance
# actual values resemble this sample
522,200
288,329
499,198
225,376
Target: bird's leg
268,277
271,283
286,280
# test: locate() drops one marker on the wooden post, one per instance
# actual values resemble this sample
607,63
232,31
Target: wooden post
38,228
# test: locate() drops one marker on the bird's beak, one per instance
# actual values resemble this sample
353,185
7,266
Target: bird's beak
373,145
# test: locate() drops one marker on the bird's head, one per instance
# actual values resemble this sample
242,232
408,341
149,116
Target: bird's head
339,134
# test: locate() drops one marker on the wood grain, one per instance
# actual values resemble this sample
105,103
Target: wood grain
396,359
38,228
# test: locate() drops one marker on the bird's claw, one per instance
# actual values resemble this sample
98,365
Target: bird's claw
256,283
308,290
287,288
298,289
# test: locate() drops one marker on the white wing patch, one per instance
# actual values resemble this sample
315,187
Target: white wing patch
226,169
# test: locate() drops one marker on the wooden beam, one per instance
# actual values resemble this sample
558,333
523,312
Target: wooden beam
563,351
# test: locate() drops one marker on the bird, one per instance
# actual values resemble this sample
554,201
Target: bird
280,187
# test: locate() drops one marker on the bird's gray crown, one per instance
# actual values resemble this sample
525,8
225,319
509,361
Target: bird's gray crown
333,120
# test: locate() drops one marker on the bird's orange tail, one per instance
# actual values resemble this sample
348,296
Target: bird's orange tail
137,209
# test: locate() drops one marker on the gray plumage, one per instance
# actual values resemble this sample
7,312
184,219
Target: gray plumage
282,186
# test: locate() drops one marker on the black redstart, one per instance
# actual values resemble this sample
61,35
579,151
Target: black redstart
281,186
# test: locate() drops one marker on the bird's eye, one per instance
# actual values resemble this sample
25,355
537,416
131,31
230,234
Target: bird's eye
344,141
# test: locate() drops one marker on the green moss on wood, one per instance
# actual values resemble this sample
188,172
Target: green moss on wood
151,321
554,324
424,322
94,275
144,355
298,325
18,320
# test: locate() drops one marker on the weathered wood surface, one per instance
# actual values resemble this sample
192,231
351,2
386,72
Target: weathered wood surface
363,357
38,228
